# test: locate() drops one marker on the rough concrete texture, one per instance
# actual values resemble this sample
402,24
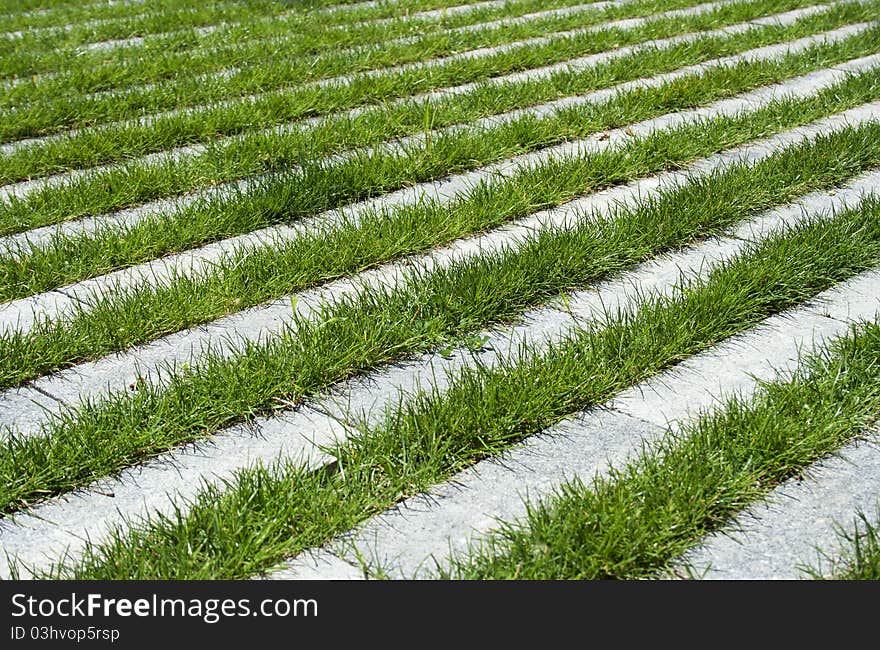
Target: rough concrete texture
24,314
798,525
317,565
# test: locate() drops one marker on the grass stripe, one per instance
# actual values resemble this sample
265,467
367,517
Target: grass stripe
212,57
102,438
61,259
288,508
95,72
157,21
78,109
42,29
110,34
59,15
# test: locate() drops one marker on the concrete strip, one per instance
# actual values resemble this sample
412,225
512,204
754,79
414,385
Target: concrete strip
156,485
26,409
419,534
26,313
695,385
21,315
114,373
318,565
628,24
798,524
15,245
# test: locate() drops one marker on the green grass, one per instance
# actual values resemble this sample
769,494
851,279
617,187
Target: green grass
69,259
173,26
60,16
46,18
189,53
300,149
148,22
261,153
268,513
113,143
132,316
